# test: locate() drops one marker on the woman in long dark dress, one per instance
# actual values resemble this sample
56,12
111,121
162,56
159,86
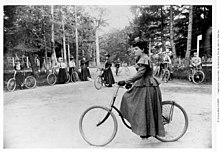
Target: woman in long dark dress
84,70
142,104
62,77
107,73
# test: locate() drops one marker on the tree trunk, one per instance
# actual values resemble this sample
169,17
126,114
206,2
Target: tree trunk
189,36
68,53
45,53
33,64
172,33
77,47
64,38
53,56
162,32
97,48
208,43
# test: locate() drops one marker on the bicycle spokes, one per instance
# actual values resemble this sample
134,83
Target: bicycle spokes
175,121
98,126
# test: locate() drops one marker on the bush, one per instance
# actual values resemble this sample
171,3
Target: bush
183,73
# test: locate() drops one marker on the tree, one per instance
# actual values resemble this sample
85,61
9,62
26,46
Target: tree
97,14
172,33
189,36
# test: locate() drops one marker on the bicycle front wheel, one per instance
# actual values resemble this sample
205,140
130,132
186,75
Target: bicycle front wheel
51,79
175,121
166,76
67,78
11,84
30,82
98,126
98,82
198,77
74,77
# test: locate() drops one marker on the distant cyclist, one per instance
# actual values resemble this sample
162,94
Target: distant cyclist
196,61
167,63
117,65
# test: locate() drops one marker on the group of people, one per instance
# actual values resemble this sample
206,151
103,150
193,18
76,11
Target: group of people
165,62
141,105
84,73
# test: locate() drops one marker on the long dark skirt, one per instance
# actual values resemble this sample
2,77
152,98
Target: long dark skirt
108,77
61,78
142,107
71,69
84,74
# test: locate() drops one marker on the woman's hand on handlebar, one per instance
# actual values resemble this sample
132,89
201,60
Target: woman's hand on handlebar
121,83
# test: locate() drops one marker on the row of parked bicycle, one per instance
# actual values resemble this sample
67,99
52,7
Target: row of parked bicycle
29,81
195,74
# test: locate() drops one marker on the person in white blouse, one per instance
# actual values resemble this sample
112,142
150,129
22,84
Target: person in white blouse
195,61
72,66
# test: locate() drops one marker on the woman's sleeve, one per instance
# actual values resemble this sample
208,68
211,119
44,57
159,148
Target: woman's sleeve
138,75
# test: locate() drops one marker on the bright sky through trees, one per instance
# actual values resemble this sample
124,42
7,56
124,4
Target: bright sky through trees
118,16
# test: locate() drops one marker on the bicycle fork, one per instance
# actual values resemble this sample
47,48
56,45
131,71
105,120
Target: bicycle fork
170,116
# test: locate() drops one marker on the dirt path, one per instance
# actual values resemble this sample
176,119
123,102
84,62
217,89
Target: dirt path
47,117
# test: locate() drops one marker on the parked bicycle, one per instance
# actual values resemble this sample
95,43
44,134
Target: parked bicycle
99,80
74,76
165,72
156,71
196,75
98,124
27,81
52,77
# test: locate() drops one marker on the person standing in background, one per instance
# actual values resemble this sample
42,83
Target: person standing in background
85,73
117,65
62,77
107,72
72,65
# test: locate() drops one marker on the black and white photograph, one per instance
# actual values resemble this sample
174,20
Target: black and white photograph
100,75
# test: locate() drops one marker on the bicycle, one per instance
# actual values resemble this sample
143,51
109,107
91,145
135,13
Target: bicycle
156,71
103,120
52,77
74,76
28,82
196,75
165,73
99,80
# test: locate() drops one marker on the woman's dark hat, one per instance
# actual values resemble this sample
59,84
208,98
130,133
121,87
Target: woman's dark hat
71,57
141,44
107,55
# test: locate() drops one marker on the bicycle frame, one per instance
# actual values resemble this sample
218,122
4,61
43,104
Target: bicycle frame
116,109
168,120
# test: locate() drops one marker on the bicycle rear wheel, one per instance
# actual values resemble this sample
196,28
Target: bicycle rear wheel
11,84
175,121
98,126
156,71
67,78
166,76
98,82
30,82
74,77
51,79
198,77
